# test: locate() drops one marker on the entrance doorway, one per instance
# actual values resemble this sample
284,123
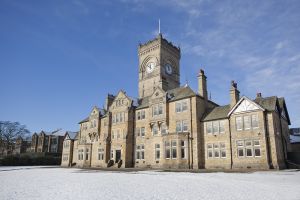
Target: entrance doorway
118,155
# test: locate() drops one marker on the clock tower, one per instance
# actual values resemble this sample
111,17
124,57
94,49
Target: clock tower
158,66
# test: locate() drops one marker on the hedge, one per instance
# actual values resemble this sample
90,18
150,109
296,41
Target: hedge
29,160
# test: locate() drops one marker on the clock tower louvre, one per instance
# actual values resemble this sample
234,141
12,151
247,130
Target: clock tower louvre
158,66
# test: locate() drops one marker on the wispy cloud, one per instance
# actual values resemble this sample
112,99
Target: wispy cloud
259,40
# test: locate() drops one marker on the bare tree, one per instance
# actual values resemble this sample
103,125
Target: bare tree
9,132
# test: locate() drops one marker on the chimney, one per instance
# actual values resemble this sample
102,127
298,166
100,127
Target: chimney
258,95
234,94
108,101
202,88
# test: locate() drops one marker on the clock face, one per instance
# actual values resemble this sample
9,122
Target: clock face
168,68
150,67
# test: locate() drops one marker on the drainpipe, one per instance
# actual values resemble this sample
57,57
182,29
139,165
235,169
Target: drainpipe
267,137
192,156
283,141
230,142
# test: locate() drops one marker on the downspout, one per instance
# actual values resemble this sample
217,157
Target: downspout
133,137
282,141
230,142
192,156
267,136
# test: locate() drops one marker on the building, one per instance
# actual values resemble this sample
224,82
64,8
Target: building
172,126
48,142
21,146
295,139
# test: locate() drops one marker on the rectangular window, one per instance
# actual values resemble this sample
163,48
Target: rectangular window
216,150
223,150
118,134
209,150
254,121
121,117
216,127
163,129
157,151
155,110
209,127
138,150
178,107
143,114
239,123
167,150
174,149
138,115
222,126
183,149
87,154
184,106
248,148
100,154
155,129
160,109
184,125
181,106
142,131
249,152
112,154
257,152
247,123
241,152
142,152
178,126
138,131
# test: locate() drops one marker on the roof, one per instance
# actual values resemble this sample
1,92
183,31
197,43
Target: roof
84,120
219,112
143,103
173,95
72,135
268,103
59,132
180,93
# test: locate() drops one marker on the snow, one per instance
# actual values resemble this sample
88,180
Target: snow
68,183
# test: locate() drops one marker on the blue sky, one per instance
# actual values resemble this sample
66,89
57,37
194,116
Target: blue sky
60,58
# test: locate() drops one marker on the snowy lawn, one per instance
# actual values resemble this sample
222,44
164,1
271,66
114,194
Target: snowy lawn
62,183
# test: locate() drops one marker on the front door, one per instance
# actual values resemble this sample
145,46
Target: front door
118,155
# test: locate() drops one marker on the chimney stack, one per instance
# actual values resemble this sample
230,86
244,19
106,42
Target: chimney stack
258,95
202,87
108,101
234,94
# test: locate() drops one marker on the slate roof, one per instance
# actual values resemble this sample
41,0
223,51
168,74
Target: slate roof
173,95
219,112
180,93
84,120
268,103
72,135
143,103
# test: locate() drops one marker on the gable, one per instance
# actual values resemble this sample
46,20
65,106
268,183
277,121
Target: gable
245,105
121,100
158,93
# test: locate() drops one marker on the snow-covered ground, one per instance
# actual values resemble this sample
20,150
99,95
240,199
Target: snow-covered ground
62,183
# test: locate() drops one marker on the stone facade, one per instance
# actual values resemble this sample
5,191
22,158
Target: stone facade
47,142
171,126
